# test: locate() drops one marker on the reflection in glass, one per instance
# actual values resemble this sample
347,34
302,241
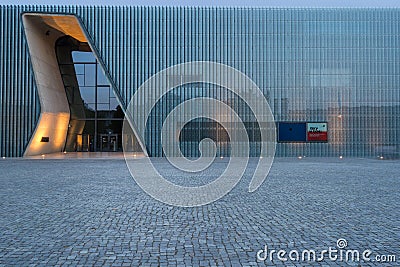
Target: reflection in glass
103,115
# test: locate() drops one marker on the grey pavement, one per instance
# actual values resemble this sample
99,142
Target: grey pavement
90,212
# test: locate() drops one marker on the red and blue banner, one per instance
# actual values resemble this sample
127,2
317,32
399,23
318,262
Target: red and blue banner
302,132
317,132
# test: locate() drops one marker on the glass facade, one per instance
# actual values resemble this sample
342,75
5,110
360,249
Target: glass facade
339,66
103,116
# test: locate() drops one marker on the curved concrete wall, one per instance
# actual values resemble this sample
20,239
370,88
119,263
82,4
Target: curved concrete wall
54,117
64,48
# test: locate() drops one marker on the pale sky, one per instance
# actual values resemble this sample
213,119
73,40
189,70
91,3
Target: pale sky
255,3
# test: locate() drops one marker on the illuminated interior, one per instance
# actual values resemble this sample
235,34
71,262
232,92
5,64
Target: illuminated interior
100,122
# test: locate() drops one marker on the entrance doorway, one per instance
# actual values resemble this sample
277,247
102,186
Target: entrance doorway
82,143
109,143
96,116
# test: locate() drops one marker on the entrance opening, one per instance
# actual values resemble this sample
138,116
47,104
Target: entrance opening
96,116
79,110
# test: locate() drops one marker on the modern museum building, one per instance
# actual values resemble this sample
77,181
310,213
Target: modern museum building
331,76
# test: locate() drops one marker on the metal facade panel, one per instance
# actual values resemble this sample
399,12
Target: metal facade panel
334,65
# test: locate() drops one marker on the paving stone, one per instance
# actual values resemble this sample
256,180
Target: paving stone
91,213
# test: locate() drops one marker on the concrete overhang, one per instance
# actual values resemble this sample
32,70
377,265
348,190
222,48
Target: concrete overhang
42,31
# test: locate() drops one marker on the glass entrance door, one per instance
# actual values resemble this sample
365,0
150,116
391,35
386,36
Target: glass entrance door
109,142
96,116
83,143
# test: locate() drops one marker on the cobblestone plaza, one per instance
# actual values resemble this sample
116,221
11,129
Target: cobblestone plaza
91,212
